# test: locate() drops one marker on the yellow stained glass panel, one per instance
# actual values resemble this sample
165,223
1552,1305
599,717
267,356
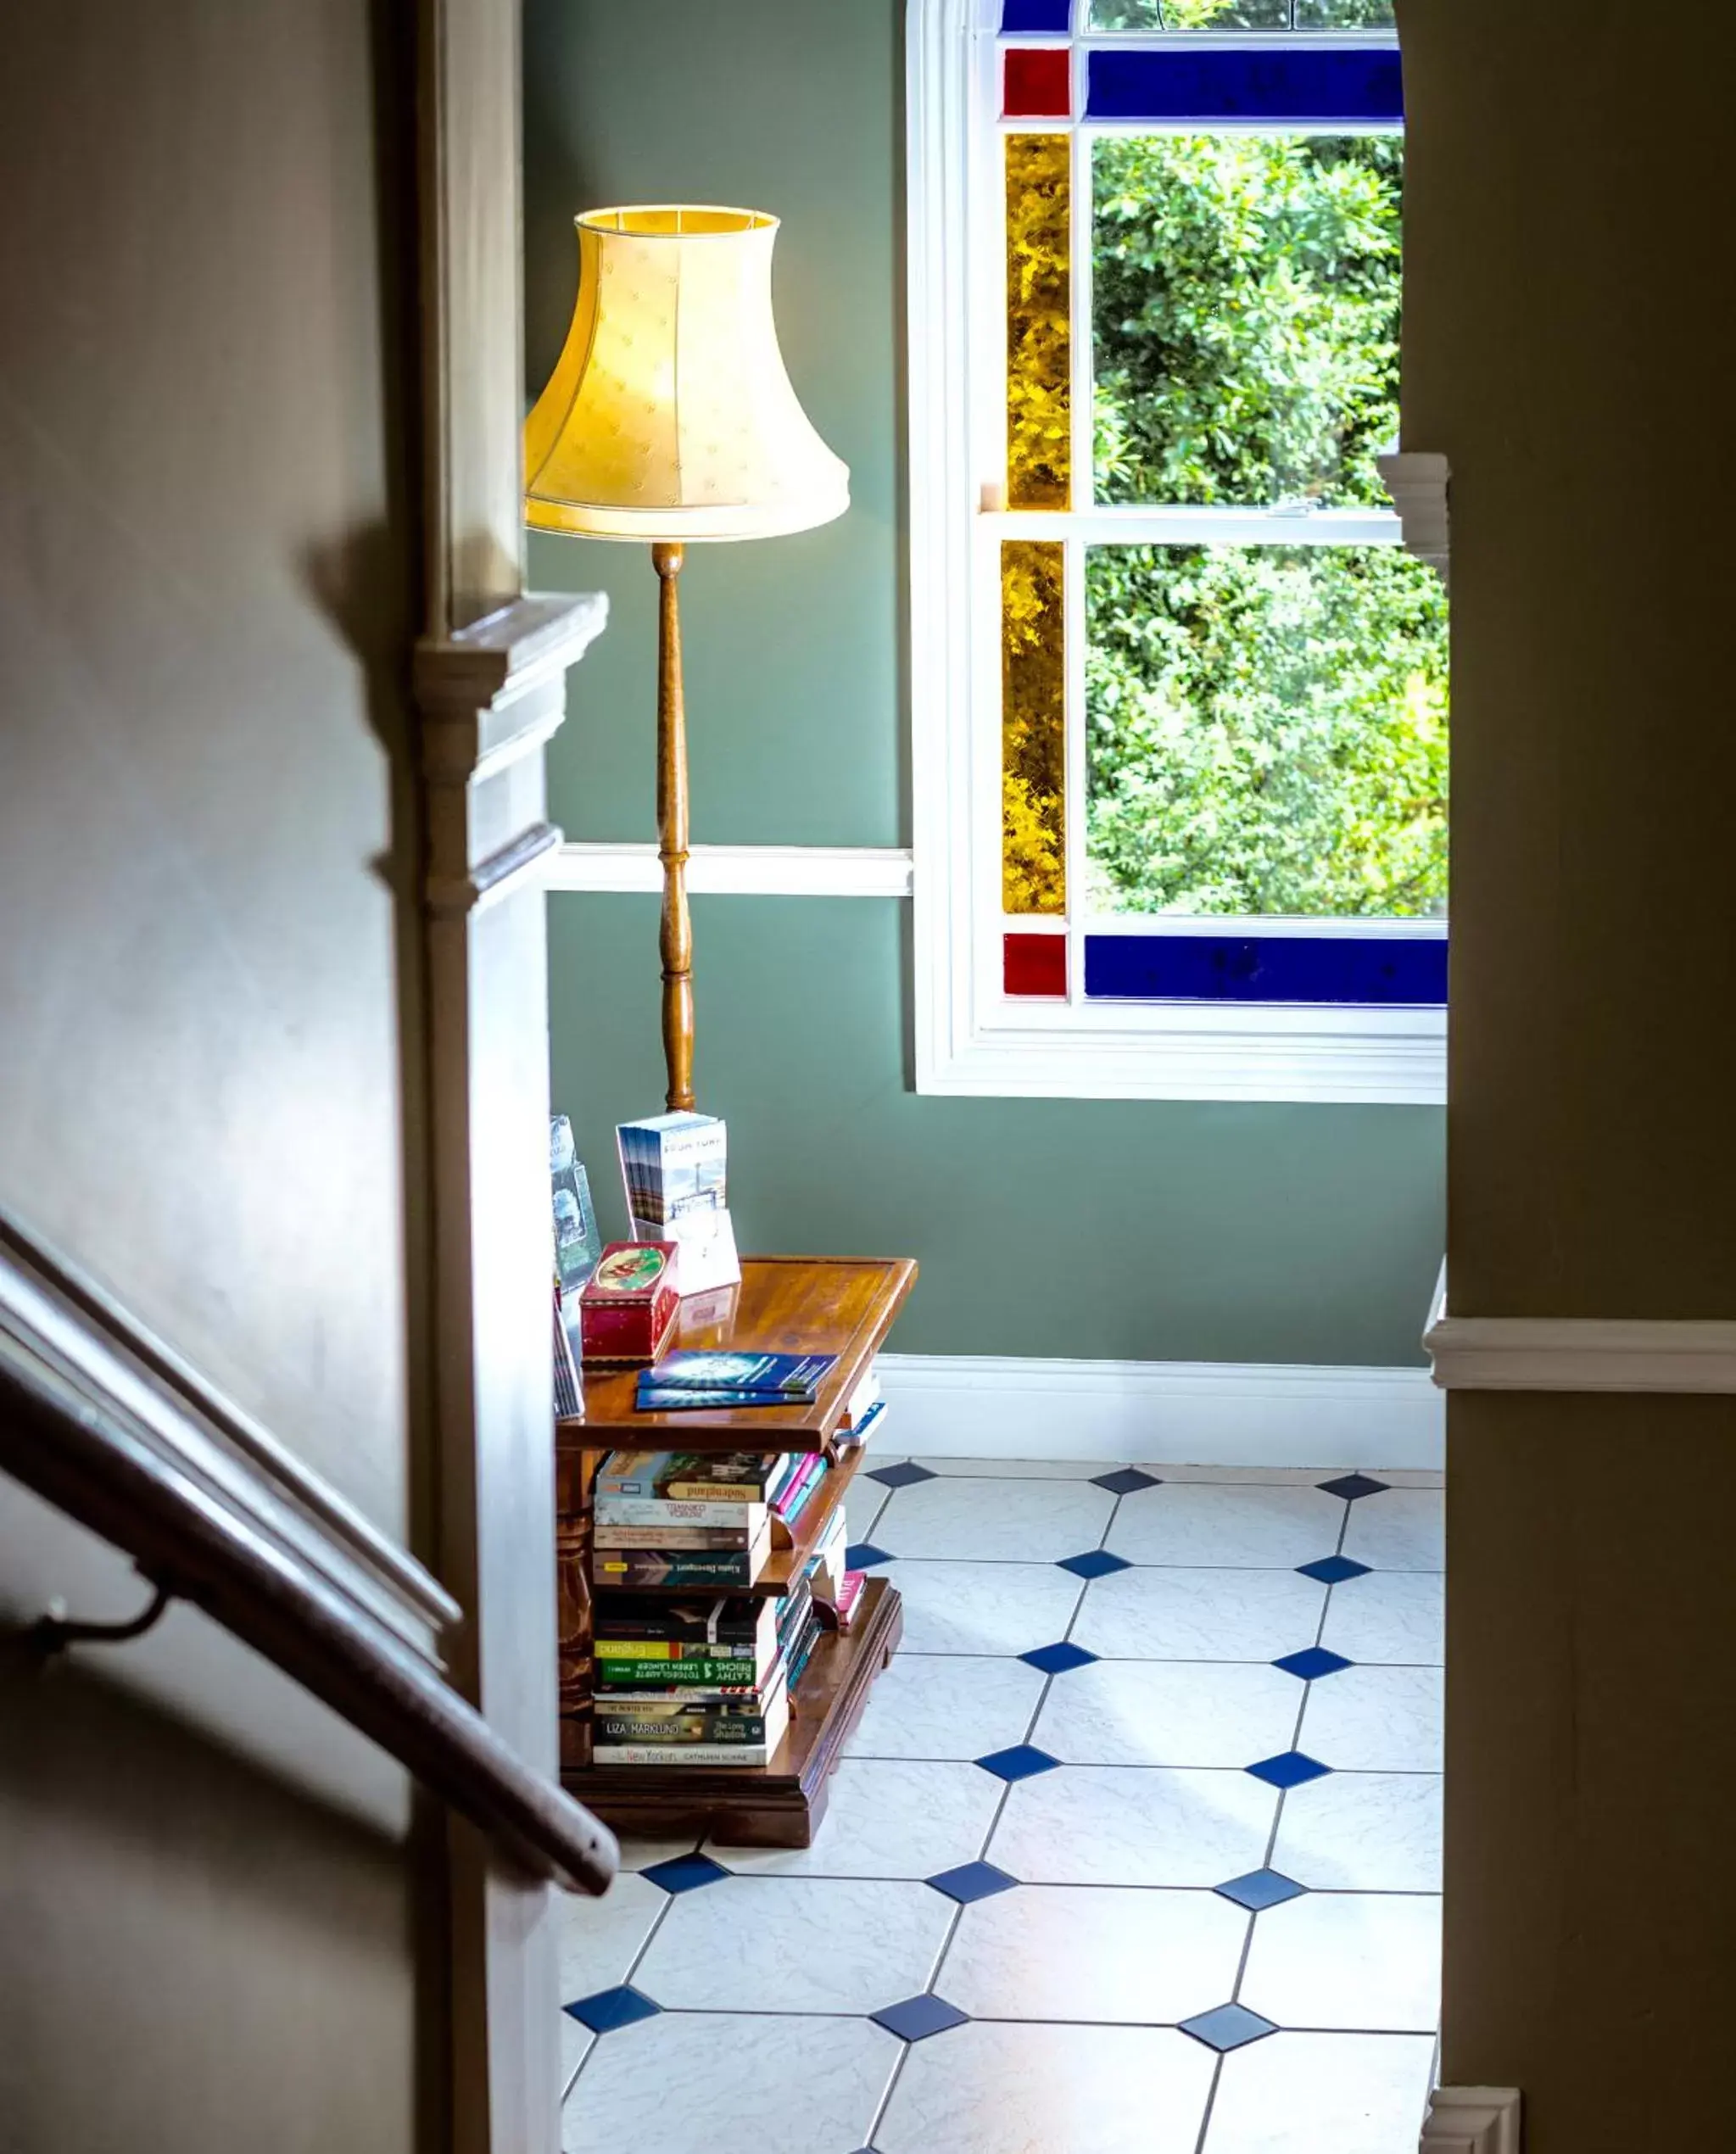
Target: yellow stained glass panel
1039,322
1033,727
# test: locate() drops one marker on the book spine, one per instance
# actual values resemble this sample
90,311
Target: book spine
646,1570
687,1647
655,1675
714,1492
629,1510
679,1734
746,1753
672,1536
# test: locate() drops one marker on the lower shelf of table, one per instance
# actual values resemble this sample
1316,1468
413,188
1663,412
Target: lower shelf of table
776,1805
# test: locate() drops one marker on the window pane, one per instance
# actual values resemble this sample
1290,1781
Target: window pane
1266,731
1190,14
1039,322
1034,964
1344,14
1367,969
1033,727
1037,82
1246,304
1238,14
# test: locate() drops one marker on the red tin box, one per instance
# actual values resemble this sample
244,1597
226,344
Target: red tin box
628,1305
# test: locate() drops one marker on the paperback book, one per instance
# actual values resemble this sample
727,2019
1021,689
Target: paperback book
682,1538
671,1511
690,1477
655,1629
784,1375
680,1570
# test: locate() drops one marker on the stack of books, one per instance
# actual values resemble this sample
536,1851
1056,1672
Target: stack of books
694,1382
704,1677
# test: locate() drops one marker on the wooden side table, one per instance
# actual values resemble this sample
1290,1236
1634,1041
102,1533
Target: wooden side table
841,1306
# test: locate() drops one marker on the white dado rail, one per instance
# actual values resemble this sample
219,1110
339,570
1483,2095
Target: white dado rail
739,871
1584,1354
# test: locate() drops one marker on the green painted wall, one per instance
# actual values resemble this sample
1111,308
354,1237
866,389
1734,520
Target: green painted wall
1234,1233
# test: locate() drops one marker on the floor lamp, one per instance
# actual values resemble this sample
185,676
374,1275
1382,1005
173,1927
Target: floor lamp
669,418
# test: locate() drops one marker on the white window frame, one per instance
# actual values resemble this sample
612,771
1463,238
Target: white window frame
971,1038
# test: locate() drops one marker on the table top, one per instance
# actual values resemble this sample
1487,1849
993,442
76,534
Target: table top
839,1305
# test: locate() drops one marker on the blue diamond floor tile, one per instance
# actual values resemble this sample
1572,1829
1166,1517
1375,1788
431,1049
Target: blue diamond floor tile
1311,1665
1289,1769
863,1555
1058,1660
918,2017
1230,2026
1127,1482
1095,1563
686,1872
905,1474
971,1881
611,2009
1021,1762
1352,1486
1333,1569
1261,1888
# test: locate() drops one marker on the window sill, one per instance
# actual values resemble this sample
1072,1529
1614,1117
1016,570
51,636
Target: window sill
1291,1053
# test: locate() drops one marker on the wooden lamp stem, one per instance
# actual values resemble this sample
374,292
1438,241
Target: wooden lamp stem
676,939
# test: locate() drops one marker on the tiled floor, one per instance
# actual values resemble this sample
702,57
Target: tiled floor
1136,1850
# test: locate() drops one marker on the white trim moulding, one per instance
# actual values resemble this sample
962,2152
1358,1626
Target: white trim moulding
740,871
1576,1353
1190,1412
1472,2120
1420,482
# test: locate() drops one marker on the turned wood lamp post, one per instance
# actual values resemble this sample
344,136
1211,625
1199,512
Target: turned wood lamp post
669,418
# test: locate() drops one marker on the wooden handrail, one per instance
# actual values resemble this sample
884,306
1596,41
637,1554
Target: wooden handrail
88,1456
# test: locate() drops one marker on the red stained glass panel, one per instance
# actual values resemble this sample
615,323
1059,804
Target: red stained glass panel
1035,965
1038,83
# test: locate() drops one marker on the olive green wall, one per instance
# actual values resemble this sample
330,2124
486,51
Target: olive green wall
1234,1233
1569,323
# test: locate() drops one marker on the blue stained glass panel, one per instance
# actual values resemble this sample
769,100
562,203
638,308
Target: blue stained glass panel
1266,968
1316,88
1038,15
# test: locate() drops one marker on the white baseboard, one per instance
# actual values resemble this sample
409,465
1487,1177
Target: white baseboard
1187,1413
1472,2120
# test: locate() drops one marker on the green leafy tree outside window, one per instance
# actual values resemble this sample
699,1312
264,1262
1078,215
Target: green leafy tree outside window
1266,726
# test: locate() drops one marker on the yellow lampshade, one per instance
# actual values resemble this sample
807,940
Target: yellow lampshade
670,416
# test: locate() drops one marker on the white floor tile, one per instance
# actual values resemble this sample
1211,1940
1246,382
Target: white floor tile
1084,1952
795,1944
1134,1825
1007,2089
1310,2094
886,1818
1187,1614
1363,1832
939,1705
640,1855
1244,1476
1006,1521
703,2086
1408,1477
1169,1712
1401,1529
599,1939
1024,1469
1348,1960
1249,1524
575,2046
1393,1616
998,1608
1376,1720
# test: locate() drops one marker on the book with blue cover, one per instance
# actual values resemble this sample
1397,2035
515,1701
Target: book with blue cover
654,1398
790,1376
